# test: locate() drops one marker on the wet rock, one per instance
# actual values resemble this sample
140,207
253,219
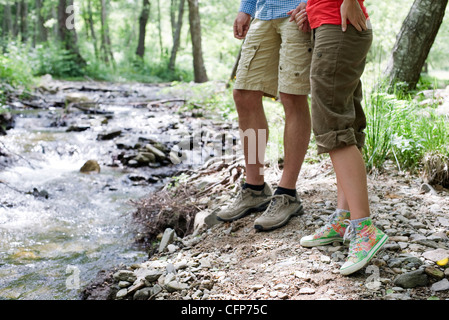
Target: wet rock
90,166
77,128
109,135
412,279
76,97
157,153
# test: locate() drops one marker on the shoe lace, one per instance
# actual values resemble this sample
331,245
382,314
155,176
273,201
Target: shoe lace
350,230
276,202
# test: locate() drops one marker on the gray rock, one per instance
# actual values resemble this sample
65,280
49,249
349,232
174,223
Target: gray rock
125,275
436,255
158,153
167,238
174,285
143,294
204,220
398,262
440,285
434,273
412,279
121,294
152,275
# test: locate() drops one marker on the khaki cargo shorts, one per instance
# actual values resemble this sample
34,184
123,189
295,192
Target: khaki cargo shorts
338,62
275,58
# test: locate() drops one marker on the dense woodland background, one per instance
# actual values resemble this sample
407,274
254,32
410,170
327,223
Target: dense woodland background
191,40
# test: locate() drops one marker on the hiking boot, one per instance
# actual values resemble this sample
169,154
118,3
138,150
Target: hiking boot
282,207
333,230
246,202
366,241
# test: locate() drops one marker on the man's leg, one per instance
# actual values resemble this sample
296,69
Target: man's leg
254,130
296,137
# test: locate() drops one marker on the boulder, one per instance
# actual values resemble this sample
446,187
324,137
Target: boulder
90,166
412,279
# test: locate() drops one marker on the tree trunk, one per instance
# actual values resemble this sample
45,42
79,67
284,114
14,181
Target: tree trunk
414,41
159,26
105,39
143,20
195,32
41,31
177,36
8,20
67,32
23,20
90,22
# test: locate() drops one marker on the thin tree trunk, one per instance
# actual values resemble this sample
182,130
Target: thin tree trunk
177,37
105,39
41,31
66,32
90,20
8,20
143,20
414,42
23,20
159,26
17,19
173,10
195,32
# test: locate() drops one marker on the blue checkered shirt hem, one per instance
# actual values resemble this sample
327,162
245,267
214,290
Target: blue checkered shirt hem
268,9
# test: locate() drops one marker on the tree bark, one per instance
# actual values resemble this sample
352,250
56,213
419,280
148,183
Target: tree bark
143,20
8,20
414,42
66,32
105,39
197,51
41,31
177,36
23,20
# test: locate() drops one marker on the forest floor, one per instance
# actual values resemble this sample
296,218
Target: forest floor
233,261
210,260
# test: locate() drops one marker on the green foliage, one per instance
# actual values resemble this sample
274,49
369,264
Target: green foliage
51,58
399,129
15,69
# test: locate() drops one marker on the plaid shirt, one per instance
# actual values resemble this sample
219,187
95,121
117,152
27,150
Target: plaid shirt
268,9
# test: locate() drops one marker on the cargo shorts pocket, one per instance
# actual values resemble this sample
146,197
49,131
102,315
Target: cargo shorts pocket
249,53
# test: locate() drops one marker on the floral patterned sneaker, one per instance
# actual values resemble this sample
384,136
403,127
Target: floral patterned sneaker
332,231
366,241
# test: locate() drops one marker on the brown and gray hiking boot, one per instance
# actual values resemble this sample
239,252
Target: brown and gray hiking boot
282,207
246,202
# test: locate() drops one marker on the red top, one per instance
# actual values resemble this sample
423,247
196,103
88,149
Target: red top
326,12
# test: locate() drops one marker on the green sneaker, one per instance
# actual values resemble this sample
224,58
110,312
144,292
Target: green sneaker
246,202
282,207
333,230
366,241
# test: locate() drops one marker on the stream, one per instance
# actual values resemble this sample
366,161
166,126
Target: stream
59,227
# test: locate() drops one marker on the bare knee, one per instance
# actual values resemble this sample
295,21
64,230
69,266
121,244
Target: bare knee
247,101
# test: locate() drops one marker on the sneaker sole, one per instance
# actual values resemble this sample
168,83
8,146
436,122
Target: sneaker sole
298,212
359,265
248,211
318,242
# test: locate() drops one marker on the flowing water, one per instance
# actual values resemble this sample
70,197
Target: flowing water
59,227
